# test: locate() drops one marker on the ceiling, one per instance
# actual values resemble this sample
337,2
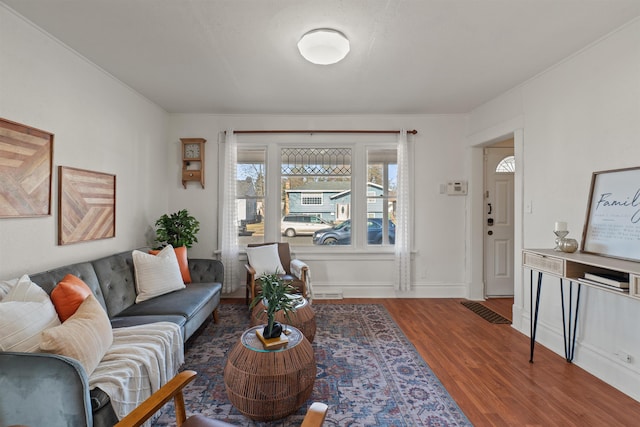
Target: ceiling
407,56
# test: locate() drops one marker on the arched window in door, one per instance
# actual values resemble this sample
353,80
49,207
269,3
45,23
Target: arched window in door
506,165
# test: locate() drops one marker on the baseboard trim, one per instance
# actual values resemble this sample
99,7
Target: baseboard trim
380,290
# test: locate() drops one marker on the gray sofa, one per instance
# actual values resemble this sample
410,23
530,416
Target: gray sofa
112,281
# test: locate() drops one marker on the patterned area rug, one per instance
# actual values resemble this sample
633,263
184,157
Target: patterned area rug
368,372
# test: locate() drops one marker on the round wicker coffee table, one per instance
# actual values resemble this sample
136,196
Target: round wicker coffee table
267,385
304,318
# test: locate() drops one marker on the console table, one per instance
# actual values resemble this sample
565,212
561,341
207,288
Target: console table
570,269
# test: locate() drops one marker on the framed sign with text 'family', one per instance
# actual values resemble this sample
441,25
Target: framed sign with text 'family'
612,226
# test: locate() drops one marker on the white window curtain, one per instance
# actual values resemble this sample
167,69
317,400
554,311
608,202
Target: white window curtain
230,249
403,240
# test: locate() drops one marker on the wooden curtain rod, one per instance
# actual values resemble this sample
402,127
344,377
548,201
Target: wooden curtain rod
413,132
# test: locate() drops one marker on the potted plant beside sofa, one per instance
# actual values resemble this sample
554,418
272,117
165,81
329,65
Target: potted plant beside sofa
177,229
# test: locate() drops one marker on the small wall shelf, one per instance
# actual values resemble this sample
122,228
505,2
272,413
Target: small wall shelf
192,160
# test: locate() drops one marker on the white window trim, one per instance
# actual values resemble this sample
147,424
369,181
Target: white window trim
359,145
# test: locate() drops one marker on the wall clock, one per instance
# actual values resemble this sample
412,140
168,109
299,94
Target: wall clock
192,160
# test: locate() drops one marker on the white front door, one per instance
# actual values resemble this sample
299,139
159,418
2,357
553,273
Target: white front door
342,212
498,225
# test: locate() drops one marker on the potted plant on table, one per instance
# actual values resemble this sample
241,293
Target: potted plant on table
277,295
177,229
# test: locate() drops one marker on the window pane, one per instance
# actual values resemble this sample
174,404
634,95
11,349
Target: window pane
312,199
382,171
250,192
507,165
316,195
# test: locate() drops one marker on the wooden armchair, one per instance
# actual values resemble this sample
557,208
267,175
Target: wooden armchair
315,416
298,274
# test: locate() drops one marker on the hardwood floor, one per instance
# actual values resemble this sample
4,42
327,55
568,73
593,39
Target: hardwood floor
485,367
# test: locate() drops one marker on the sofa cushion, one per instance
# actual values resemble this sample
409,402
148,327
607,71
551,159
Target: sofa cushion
48,280
265,259
156,274
99,399
116,277
125,321
85,336
183,262
206,271
25,312
68,295
185,302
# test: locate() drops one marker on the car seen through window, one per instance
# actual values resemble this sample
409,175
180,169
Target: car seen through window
340,234
303,225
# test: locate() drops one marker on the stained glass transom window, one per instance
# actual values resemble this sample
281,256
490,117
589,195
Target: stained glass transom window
316,161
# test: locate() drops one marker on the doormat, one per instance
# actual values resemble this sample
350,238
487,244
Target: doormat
486,313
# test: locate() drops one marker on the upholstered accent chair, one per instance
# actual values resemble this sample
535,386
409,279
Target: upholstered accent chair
289,269
315,416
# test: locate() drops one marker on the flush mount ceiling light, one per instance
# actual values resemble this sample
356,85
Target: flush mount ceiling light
323,46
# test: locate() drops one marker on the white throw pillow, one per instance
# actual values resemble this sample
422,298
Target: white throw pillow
156,274
265,260
6,286
25,312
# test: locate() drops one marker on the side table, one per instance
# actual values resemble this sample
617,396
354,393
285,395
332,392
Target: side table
304,318
267,385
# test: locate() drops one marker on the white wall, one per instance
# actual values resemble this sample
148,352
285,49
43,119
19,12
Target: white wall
102,125
439,261
99,124
579,117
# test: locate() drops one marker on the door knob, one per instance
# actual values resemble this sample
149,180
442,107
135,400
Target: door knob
490,232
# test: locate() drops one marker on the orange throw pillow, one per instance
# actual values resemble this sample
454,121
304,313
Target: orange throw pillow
181,255
68,295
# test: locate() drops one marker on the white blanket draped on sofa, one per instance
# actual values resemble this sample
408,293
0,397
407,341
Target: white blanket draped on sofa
141,359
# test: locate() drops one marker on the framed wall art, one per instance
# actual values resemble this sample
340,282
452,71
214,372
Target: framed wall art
612,226
87,205
26,163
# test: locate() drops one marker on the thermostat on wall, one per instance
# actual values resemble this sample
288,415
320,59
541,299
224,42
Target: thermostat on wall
457,188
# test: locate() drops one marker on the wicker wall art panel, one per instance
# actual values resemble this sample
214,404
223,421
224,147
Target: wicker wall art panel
26,162
87,205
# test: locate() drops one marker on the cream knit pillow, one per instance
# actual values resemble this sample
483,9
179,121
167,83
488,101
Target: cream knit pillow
156,274
85,336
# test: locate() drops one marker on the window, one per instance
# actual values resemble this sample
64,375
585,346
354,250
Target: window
371,194
382,171
311,199
507,165
250,195
305,195
315,181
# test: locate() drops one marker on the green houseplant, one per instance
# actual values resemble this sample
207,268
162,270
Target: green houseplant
276,295
177,229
